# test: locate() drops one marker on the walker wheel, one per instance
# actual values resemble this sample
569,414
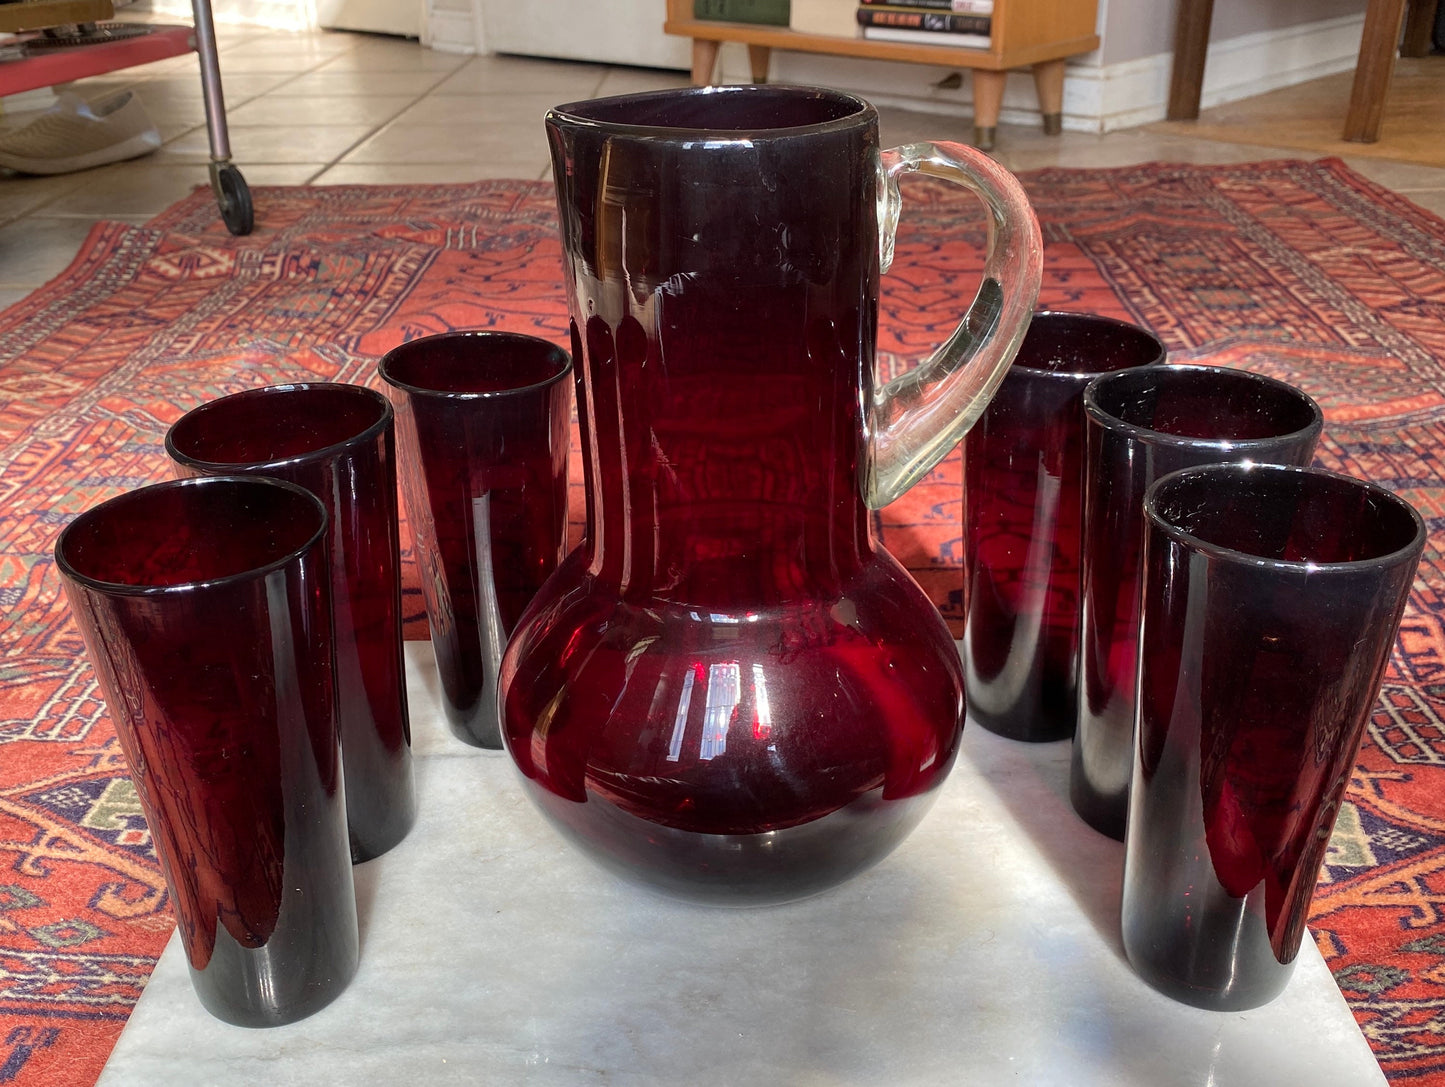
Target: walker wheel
235,200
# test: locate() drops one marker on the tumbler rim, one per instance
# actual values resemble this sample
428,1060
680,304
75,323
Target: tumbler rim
361,437
1112,422
383,367
1089,375
1225,553
119,588
861,111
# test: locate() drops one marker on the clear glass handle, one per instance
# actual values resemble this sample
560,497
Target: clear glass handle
917,418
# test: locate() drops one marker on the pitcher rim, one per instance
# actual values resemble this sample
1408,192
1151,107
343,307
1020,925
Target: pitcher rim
864,110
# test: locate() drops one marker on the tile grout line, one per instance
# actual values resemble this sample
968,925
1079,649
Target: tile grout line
376,130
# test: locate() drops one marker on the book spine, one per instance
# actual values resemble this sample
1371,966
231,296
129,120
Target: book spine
963,7
926,37
770,12
938,22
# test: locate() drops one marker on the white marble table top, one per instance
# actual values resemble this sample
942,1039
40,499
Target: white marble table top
983,951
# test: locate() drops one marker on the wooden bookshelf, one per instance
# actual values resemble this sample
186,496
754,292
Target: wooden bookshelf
1036,34
38,14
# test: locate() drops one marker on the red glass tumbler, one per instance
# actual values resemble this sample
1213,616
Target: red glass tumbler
1142,426
1023,473
1272,596
483,422
336,441
205,607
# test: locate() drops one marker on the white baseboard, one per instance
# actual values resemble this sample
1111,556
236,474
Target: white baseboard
1097,98
1137,91
1255,63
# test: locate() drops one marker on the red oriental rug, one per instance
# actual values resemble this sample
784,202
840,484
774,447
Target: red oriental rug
1301,270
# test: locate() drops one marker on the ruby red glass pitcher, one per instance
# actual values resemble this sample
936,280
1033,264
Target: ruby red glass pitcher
730,691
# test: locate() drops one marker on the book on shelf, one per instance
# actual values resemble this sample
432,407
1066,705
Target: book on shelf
769,12
937,21
962,7
926,37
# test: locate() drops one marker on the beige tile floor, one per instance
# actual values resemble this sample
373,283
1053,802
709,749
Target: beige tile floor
331,108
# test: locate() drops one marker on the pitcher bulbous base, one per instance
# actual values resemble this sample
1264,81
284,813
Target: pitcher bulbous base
738,758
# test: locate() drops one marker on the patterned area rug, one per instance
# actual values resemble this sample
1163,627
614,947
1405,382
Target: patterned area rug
1300,270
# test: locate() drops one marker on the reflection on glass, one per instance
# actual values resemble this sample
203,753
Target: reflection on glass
724,688
679,724
763,720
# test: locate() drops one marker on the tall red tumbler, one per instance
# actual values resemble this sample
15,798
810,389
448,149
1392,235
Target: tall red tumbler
205,607
1272,596
337,442
1022,478
482,419
1141,426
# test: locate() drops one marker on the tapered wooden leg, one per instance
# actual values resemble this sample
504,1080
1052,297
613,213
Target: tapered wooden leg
758,61
1049,82
704,60
1191,44
987,101
1373,69
1419,25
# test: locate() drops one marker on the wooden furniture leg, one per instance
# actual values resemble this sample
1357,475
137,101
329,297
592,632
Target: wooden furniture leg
758,61
987,100
1191,45
1049,82
704,60
1419,27
1373,69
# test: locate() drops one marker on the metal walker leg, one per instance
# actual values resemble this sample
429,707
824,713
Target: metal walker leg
232,193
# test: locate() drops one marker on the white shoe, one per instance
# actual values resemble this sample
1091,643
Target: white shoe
75,135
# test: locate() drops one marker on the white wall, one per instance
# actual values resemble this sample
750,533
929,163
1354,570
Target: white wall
278,14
